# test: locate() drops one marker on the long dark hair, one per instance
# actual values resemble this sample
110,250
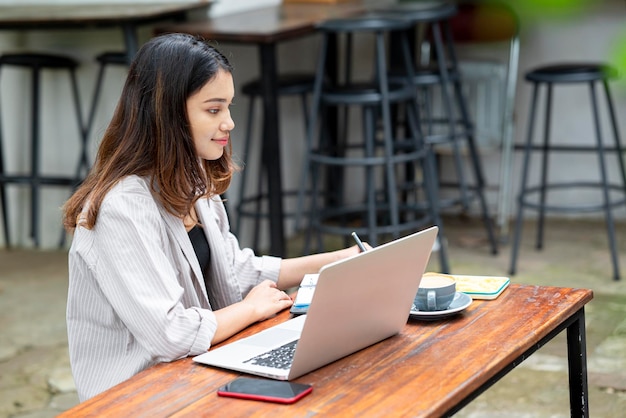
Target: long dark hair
149,133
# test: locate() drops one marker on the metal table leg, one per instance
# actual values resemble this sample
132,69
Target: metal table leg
271,147
577,366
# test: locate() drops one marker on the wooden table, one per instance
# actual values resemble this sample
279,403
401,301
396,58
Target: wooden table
128,16
430,369
264,28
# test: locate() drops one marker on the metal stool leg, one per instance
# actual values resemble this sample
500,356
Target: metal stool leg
306,160
429,174
544,169
618,142
471,142
478,174
257,215
610,225
517,233
256,236
447,102
432,191
34,160
387,135
369,126
246,154
506,163
83,161
3,195
619,150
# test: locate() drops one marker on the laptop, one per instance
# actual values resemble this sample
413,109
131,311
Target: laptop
358,302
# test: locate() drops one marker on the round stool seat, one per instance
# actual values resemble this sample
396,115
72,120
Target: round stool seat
288,84
426,76
368,23
38,60
570,73
112,57
422,11
364,94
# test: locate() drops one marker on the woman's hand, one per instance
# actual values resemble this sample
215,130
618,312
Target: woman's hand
262,302
350,251
266,300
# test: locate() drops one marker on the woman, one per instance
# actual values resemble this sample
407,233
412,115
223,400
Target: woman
155,274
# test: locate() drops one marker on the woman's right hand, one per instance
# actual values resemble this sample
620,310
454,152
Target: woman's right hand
263,301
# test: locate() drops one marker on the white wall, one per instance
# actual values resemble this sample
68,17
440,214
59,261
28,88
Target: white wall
587,37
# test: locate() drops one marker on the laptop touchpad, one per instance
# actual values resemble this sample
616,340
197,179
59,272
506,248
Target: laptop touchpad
276,336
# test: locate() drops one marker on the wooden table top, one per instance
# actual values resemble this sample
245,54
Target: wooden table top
425,370
267,24
59,15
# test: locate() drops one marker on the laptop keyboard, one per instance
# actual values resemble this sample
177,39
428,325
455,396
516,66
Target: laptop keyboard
278,358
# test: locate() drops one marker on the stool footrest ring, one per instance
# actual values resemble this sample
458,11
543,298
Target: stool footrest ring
47,180
572,209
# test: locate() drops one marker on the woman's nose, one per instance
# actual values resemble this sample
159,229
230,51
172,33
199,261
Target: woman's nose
228,124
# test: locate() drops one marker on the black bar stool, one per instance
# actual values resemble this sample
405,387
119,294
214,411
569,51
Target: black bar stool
434,19
36,63
570,73
251,205
387,208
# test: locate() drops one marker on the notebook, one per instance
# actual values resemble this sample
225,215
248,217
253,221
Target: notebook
306,290
358,302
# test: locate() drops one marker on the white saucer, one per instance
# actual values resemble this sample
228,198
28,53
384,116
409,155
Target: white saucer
459,303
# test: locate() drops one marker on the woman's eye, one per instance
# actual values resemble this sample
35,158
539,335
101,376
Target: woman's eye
214,111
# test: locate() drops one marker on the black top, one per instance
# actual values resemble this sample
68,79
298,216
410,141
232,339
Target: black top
201,247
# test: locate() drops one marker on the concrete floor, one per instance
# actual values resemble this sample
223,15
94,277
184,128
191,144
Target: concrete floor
36,382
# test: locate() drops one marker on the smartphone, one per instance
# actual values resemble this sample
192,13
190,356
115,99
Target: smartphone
265,390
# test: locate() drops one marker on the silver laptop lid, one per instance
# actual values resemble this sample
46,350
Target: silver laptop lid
362,300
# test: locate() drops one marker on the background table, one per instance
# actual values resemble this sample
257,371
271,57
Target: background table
265,28
127,16
430,369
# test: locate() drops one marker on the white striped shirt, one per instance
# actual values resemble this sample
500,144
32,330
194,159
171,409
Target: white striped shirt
136,293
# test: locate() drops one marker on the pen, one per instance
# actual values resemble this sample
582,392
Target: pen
359,242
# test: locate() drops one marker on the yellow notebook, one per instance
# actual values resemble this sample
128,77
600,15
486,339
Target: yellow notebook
480,287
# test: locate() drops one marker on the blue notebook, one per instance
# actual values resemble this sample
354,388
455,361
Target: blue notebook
305,294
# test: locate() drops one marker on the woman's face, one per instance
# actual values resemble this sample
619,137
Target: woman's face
209,116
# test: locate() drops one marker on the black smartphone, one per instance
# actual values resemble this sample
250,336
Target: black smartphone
265,390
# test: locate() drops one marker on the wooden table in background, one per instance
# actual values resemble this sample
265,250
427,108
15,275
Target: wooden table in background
128,16
430,369
265,28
